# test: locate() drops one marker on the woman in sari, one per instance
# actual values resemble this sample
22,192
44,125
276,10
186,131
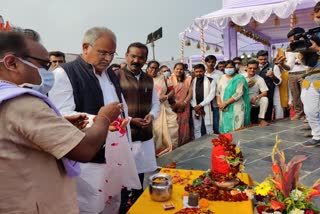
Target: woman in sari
183,94
165,127
233,99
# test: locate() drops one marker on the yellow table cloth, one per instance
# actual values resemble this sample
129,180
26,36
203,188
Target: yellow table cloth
144,205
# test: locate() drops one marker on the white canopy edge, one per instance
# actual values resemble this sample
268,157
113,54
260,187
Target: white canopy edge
242,16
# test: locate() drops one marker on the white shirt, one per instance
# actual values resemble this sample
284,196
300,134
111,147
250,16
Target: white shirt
259,86
61,93
215,75
208,94
62,97
294,62
277,73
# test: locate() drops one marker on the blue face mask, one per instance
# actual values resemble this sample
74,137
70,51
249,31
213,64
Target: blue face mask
229,71
47,79
167,74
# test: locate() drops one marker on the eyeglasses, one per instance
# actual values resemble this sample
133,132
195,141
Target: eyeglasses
57,61
43,62
104,53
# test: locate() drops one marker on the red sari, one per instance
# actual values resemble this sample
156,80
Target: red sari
181,92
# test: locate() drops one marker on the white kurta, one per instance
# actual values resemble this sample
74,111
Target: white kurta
209,93
208,96
91,187
278,110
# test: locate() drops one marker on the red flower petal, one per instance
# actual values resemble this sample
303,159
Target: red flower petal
276,169
276,205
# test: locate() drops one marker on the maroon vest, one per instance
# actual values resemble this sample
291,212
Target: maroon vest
138,95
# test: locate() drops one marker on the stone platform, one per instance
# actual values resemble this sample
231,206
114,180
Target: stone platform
256,145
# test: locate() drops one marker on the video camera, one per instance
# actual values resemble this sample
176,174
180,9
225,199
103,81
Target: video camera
302,40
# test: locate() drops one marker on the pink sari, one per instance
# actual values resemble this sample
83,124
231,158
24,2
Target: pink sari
181,91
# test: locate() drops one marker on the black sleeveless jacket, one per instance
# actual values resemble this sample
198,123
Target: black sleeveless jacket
87,92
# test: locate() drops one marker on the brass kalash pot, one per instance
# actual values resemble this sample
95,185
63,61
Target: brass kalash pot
160,187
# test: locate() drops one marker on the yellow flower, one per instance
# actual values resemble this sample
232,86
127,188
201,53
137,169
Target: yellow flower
237,150
241,167
263,188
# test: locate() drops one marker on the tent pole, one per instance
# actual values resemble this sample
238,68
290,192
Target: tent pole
230,42
202,45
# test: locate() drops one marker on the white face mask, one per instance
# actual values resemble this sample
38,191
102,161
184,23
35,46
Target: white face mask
167,74
317,21
47,79
229,71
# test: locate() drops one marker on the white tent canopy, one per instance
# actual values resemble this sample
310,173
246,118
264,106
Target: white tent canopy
258,16
241,12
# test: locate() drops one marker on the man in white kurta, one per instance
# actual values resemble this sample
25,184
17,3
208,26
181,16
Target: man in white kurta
203,93
97,54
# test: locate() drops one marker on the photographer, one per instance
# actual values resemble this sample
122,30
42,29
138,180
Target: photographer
291,62
308,44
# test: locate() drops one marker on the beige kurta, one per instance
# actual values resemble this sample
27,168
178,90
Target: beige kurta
32,140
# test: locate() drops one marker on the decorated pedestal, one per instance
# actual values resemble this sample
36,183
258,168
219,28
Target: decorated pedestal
221,183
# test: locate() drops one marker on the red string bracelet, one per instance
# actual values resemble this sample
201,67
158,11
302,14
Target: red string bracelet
107,118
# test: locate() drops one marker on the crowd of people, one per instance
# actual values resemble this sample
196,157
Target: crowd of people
207,100
62,122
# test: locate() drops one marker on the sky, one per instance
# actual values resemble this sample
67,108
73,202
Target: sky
62,23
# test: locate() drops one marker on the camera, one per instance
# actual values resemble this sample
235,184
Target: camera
302,40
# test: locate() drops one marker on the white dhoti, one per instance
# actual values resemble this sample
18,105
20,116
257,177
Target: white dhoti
278,110
144,155
99,185
263,104
311,102
197,125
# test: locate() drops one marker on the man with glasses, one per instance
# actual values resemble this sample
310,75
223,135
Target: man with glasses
35,139
85,85
56,58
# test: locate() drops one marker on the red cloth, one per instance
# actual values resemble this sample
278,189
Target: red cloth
219,163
